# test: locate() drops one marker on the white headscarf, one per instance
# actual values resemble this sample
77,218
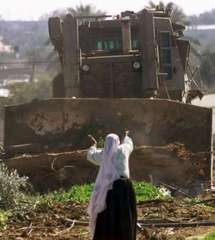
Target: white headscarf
105,178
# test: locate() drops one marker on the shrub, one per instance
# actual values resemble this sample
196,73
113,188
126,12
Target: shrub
11,188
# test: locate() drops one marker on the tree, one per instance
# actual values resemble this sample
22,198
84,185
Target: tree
207,69
25,92
85,10
79,10
175,12
205,18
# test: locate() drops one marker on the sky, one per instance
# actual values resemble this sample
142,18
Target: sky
33,9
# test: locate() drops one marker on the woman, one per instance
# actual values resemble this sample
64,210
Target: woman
112,207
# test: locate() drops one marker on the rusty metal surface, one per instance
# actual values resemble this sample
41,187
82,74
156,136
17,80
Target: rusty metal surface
108,77
151,122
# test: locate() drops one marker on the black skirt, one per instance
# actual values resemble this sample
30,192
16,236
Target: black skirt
118,220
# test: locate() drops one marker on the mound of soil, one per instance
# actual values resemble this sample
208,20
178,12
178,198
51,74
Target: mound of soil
172,164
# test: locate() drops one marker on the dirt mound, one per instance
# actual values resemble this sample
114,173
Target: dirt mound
172,164
57,222
175,210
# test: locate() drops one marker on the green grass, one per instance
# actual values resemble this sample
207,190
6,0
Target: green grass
210,236
147,191
81,193
4,216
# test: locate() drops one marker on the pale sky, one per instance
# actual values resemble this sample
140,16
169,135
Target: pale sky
33,9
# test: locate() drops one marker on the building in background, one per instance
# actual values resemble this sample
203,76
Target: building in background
4,48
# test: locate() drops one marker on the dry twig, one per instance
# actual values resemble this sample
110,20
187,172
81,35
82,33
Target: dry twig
65,230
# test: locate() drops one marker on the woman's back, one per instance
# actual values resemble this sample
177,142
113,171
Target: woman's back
121,160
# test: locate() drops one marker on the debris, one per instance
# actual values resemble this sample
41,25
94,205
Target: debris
65,230
54,170
173,190
69,221
176,224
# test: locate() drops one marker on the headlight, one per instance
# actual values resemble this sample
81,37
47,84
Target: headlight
86,68
136,65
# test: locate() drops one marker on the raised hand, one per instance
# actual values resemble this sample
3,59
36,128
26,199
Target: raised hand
92,139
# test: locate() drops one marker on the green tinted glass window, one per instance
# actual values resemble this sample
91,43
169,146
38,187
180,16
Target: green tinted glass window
118,44
99,45
135,44
110,45
166,56
165,39
105,45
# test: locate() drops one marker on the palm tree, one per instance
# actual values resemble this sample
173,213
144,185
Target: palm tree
79,10
85,10
175,12
159,6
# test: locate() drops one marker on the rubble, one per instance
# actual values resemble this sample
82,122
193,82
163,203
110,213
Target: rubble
69,221
149,163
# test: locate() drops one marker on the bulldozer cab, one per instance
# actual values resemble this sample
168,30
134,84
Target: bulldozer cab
133,55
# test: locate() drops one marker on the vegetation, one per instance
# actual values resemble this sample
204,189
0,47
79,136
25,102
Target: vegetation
11,186
207,69
176,13
144,191
14,195
85,10
24,92
4,216
25,36
210,236
78,10
205,18
76,193
14,201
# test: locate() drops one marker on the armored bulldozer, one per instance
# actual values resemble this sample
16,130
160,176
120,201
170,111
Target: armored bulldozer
122,72
134,55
